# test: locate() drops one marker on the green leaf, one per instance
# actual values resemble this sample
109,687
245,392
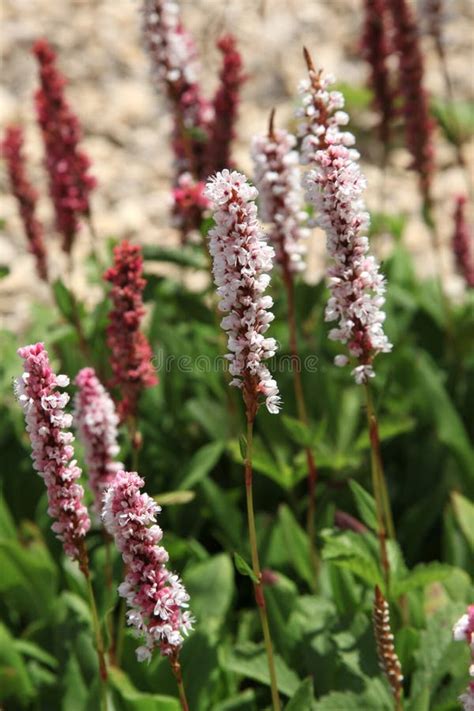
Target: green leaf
464,512
65,300
30,649
4,271
243,702
297,544
27,568
7,525
127,698
173,498
201,464
244,568
354,552
365,504
250,661
76,690
419,577
14,680
303,699
210,584
298,431
182,256
388,429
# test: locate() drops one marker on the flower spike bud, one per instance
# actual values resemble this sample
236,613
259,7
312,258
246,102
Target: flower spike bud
52,451
388,660
156,598
463,631
242,260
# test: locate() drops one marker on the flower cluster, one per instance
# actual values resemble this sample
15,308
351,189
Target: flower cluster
334,186
242,260
157,599
463,631
53,452
462,241
26,195
189,203
96,422
278,180
376,47
175,69
68,167
225,103
130,352
418,123
320,114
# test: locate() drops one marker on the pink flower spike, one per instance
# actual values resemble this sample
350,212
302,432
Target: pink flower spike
96,422
463,631
277,177
156,598
462,242
130,352
335,186
70,182
242,260
226,104
53,453
26,195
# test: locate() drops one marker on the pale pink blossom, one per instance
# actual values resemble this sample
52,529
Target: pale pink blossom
156,598
52,450
242,260
334,186
278,180
463,631
96,422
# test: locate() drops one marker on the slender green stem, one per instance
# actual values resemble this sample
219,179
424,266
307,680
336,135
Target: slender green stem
303,417
99,642
382,503
258,586
176,668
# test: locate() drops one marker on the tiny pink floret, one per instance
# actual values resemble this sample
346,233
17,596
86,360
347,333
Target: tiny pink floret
53,453
157,599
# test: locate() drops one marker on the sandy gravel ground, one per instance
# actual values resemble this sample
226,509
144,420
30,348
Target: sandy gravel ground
126,125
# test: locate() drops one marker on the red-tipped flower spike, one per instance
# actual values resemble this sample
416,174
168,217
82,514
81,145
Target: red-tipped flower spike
70,183
463,631
335,186
462,242
156,598
189,203
130,352
418,122
96,422
26,195
376,47
53,453
226,103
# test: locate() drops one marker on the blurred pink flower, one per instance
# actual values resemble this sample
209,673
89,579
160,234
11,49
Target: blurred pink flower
130,351
463,631
462,242
46,424
96,423
26,195
70,182
156,598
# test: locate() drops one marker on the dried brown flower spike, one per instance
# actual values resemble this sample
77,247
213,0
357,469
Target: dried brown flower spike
389,662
